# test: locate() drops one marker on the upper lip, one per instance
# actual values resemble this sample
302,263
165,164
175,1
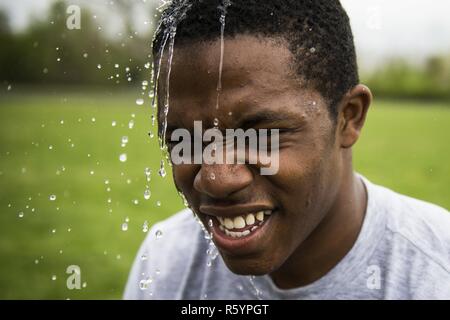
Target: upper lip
233,211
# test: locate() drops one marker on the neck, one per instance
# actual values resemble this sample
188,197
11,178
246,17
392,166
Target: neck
330,241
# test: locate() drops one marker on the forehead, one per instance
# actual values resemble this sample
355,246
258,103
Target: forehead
247,61
257,74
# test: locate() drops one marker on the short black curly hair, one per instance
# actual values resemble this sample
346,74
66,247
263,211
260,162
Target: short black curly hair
318,33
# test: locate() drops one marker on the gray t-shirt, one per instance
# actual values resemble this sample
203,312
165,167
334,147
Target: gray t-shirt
402,252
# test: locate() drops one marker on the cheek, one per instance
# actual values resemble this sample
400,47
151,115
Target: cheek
304,175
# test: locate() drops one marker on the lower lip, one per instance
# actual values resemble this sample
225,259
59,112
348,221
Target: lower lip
243,245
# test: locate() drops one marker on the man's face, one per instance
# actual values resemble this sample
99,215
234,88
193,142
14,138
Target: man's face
260,91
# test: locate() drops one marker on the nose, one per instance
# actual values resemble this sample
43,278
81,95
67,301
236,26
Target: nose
221,180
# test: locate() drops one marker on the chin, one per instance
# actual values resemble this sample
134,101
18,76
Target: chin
246,266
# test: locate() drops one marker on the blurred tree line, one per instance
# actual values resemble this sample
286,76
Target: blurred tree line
398,79
47,52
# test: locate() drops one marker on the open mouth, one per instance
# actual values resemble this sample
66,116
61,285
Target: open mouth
243,225
243,233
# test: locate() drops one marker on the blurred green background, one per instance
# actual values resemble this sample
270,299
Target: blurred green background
63,120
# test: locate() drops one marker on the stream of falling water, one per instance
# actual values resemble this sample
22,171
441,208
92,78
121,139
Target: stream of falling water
170,23
172,33
223,14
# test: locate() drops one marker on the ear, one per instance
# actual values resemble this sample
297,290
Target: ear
352,114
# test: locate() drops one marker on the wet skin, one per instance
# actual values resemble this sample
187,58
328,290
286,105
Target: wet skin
318,202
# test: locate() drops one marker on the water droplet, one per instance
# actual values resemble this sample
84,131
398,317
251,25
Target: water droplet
93,119
144,257
36,261
116,66
136,201
145,226
124,226
53,231
216,122
124,141
106,181
212,176
131,124
84,285
21,214
147,194
312,50
45,70
123,157
114,123
158,203
52,197
147,65
158,234
50,147
139,101
53,277
148,173
210,223
143,285
99,66
145,83
58,59
162,170
85,55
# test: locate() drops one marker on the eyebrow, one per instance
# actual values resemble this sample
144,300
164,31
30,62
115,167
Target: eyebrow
257,118
264,116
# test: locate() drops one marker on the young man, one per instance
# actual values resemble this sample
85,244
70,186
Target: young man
313,230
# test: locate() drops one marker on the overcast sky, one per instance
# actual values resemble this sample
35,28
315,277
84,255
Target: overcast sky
409,28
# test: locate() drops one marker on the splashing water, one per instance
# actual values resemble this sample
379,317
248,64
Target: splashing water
124,141
223,8
123,157
148,173
147,194
170,22
162,170
145,226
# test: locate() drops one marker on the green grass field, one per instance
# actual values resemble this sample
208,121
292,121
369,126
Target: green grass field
51,145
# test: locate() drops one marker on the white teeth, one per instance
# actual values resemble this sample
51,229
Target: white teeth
236,234
253,220
228,223
260,216
239,222
250,219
